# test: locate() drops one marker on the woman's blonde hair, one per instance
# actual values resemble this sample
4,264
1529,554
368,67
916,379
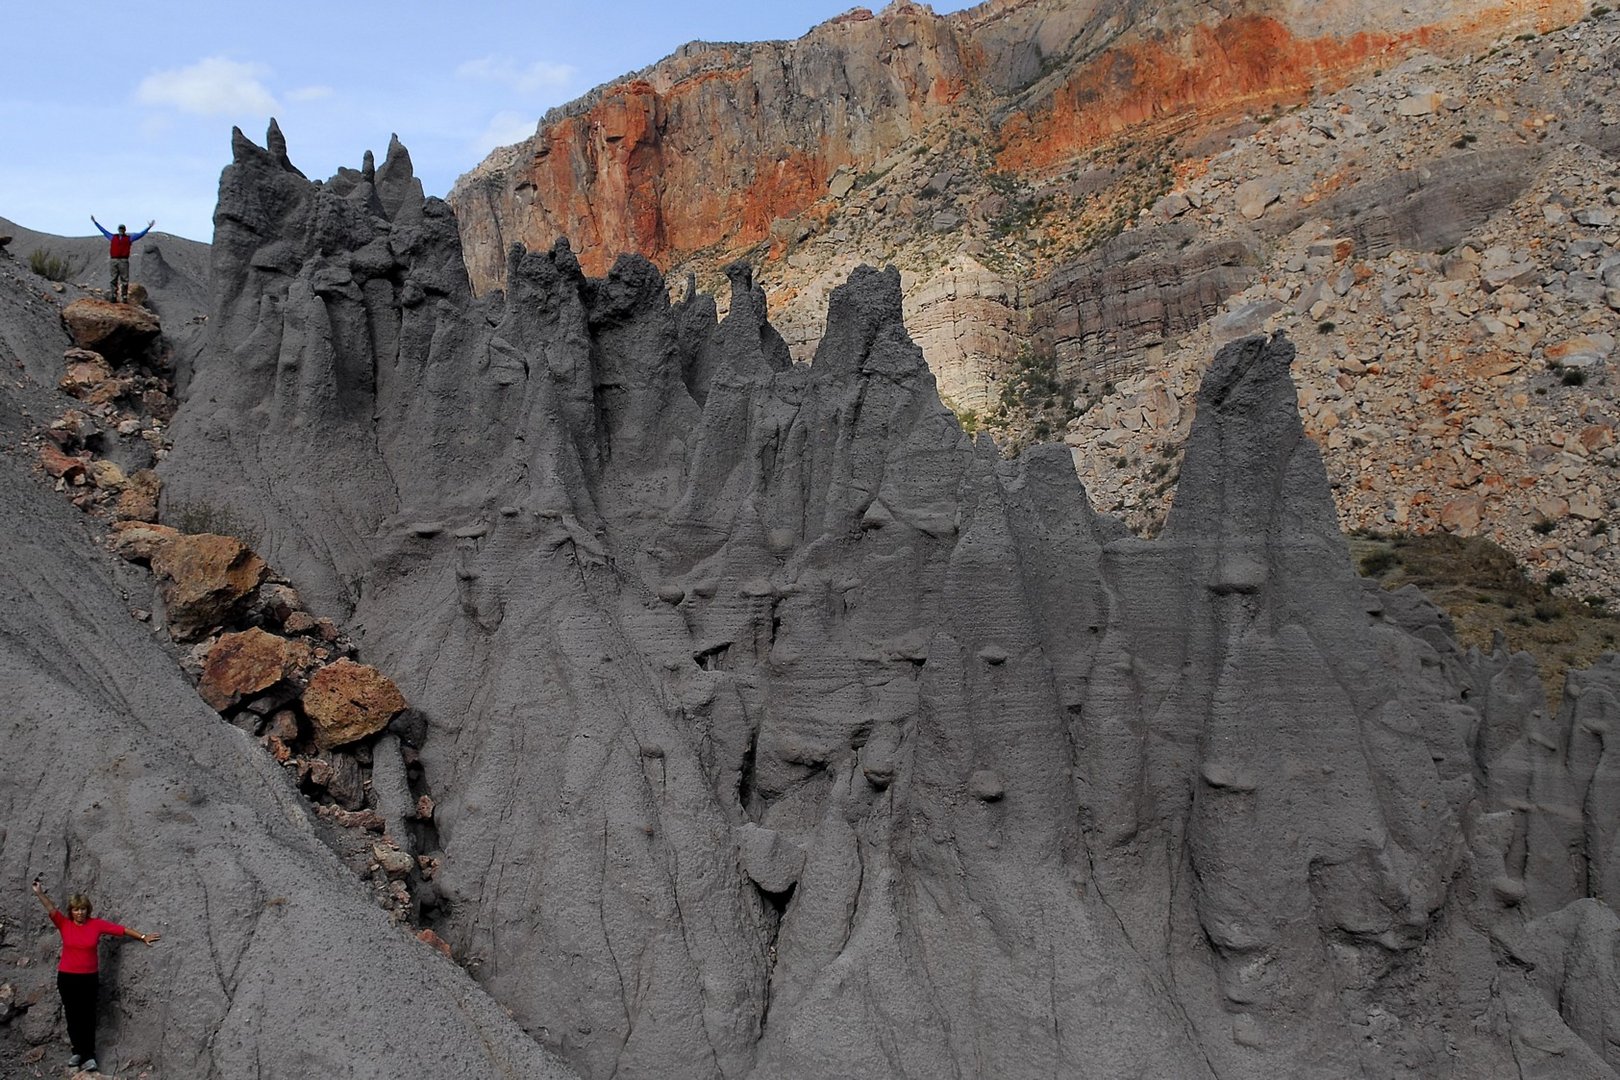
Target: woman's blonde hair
80,900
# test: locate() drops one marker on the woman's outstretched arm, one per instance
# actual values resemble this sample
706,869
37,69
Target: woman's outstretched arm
39,891
145,939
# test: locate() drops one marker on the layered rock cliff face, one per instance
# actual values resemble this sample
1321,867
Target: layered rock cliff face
781,729
978,121
1110,190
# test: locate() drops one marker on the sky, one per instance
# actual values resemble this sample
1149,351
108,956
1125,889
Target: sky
124,110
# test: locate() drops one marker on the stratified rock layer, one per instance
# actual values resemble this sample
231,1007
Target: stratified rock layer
781,730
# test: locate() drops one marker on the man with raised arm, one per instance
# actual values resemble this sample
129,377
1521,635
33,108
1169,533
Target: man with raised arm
119,245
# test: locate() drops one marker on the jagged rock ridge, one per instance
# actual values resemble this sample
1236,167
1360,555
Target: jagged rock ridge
780,729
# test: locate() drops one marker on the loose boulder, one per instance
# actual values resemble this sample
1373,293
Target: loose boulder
347,701
119,332
139,499
86,371
204,580
240,665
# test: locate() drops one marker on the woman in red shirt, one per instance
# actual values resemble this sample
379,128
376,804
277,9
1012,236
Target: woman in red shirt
76,976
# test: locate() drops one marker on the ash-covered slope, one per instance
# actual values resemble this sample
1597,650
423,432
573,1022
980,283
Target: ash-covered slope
116,779
778,729
174,270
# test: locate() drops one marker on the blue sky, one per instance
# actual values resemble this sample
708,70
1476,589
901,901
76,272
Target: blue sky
124,110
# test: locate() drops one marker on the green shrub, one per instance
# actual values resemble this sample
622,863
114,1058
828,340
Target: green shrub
1557,578
1326,327
1574,377
1377,562
48,266
1543,527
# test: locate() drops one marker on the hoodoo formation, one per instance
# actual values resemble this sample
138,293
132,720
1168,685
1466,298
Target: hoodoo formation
600,682
778,728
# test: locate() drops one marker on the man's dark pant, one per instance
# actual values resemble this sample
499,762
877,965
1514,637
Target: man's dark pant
120,276
79,993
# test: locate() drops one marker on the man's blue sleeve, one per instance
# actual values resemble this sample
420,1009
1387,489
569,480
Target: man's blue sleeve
136,236
104,232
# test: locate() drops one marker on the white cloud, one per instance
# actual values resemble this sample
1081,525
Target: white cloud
504,129
309,93
210,87
504,71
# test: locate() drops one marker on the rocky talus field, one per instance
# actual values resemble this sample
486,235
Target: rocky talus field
727,716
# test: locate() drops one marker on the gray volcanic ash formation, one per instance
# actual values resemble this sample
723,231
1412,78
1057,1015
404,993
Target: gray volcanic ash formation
779,729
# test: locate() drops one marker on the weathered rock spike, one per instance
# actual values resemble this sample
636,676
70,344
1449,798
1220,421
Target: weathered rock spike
274,140
241,145
276,144
748,335
741,276
397,185
368,166
1248,460
397,151
866,327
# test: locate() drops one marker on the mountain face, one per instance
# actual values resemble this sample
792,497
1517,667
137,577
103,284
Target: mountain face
727,149
779,728
1086,199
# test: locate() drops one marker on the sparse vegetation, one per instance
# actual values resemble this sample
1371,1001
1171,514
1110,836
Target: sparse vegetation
1484,589
1036,401
970,420
1378,562
872,176
48,266
1573,377
206,517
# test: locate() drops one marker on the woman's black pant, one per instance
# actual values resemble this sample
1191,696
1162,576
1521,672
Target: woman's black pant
79,993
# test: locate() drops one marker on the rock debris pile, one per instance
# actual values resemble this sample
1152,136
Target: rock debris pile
256,655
